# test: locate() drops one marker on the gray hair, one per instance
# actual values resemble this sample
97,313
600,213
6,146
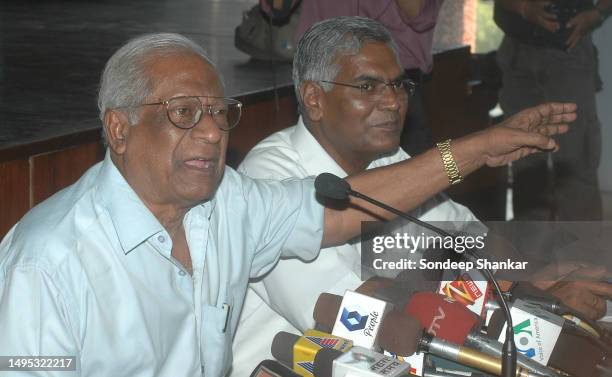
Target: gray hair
326,41
124,82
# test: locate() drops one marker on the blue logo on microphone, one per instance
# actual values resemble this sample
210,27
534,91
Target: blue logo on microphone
354,318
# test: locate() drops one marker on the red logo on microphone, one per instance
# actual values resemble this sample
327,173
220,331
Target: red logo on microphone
463,289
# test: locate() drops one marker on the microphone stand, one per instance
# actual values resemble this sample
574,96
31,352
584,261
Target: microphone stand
509,347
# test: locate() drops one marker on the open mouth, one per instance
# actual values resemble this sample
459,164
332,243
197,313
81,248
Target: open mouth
201,163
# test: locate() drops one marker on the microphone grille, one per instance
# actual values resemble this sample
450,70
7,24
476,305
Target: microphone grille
282,347
324,361
326,310
399,333
332,186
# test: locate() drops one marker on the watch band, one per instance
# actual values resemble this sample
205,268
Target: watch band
448,161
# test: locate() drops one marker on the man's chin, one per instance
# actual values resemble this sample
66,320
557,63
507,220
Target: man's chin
197,191
386,149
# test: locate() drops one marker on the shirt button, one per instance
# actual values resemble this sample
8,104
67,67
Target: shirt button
181,272
161,238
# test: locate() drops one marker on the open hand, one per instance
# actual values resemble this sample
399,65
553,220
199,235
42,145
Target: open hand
527,132
581,287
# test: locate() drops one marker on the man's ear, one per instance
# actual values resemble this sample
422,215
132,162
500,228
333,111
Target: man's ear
117,130
313,99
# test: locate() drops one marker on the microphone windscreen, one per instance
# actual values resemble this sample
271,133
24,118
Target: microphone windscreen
326,310
442,317
400,333
271,368
332,186
282,347
324,362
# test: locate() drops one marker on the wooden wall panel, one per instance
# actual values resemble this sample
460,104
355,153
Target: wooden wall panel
455,110
446,94
259,120
53,171
14,193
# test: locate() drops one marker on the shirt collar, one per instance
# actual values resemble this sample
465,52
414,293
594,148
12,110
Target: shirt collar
313,156
316,160
133,222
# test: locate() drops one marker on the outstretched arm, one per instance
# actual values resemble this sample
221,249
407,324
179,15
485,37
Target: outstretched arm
407,184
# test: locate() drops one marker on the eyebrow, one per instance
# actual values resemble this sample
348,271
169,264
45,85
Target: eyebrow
366,77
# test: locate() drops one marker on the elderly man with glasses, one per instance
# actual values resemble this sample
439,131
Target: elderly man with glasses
140,268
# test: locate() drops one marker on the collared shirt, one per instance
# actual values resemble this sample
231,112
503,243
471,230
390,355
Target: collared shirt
290,290
89,273
414,37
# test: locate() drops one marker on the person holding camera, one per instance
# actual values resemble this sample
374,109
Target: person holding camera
547,55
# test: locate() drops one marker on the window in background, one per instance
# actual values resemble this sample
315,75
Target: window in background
488,35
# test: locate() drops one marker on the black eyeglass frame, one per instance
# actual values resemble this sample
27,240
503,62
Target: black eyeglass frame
410,91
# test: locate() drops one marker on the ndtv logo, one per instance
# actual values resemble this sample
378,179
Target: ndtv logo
354,318
435,323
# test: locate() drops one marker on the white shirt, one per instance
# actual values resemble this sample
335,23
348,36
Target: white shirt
89,273
284,300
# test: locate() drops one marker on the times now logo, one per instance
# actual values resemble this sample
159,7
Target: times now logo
355,318
463,289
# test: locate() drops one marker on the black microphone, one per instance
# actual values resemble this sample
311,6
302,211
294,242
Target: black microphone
271,368
334,187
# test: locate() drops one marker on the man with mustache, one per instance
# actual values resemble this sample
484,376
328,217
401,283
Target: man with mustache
353,98
140,268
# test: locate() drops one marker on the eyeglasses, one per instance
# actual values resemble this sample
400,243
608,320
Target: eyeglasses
186,111
373,90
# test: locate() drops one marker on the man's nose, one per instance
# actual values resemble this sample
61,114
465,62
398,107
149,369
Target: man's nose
207,129
390,99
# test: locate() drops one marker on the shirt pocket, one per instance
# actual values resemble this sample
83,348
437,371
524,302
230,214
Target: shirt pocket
216,352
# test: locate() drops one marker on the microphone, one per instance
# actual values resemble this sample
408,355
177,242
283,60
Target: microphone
397,332
572,352
300,351
449,320
271,368
334,187
402,287
435,312
358,362
430,372
391,331
359,319
532,295
466,356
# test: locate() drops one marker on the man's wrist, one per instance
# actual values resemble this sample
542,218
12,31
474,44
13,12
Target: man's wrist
469,152
449,163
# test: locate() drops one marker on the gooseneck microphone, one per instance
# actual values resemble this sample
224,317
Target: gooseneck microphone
334,187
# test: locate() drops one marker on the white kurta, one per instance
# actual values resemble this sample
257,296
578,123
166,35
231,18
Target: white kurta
284,300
